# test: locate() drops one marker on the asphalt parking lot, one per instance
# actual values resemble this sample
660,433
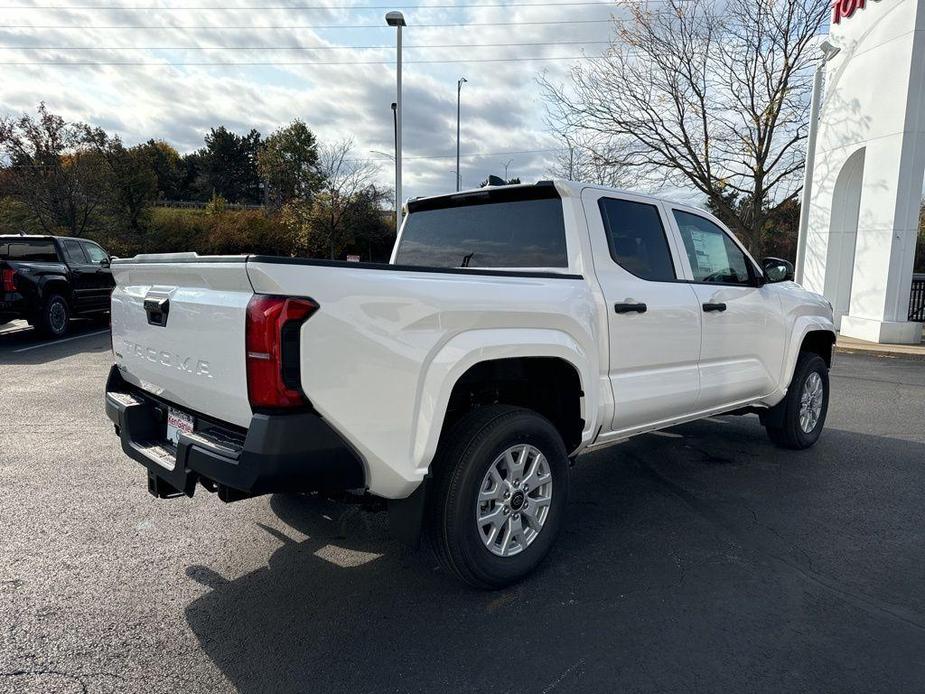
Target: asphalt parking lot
699,559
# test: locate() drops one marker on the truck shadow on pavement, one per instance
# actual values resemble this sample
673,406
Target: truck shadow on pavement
21,344
699,559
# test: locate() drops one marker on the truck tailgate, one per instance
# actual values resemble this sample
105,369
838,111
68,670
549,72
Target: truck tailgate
178,330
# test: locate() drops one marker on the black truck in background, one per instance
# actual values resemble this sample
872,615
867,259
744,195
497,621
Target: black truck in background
48,279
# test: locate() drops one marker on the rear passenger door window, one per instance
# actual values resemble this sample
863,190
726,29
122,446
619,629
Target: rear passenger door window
637,240
72,252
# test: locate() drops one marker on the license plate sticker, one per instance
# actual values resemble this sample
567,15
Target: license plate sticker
178,422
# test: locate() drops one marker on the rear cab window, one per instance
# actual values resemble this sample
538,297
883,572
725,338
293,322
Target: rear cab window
28,250
509,228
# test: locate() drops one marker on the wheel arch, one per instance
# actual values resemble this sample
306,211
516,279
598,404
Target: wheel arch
55,284
813,334
477,357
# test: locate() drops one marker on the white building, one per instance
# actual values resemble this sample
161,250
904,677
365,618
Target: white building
869,166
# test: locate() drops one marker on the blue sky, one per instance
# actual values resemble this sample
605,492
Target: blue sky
502,107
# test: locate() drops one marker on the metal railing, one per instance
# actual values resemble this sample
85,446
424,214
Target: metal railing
917,298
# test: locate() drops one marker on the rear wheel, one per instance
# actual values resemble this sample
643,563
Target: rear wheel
499,494
804,408
55,316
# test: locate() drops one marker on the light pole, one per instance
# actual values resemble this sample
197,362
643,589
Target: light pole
397,20
459,84
828,52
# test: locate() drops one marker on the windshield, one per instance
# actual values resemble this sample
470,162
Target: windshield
513,228
29,250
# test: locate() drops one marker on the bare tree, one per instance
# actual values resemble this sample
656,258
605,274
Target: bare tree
592,160
704,93
347,188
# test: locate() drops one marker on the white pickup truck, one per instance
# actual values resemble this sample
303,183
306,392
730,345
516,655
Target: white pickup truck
514,328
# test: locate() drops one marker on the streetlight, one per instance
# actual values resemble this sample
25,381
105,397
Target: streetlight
828,52
459,84
397,20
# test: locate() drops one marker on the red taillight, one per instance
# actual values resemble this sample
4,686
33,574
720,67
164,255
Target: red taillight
272,344
8,279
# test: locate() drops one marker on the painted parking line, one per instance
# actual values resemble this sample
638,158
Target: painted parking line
58,342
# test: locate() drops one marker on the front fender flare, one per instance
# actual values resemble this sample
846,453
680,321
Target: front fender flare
802,327
472,347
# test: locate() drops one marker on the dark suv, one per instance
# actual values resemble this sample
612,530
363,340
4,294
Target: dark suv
48,279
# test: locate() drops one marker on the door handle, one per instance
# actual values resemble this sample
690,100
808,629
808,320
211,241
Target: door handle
630,308
714,307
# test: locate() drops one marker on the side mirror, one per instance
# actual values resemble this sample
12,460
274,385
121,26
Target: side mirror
777,269
105,262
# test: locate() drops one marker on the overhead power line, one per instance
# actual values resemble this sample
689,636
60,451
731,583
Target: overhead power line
474,155
224,8
291,48
253,27
282,63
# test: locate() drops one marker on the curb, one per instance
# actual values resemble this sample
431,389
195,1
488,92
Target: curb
880,351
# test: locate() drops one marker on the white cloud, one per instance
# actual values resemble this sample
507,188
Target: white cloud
502,109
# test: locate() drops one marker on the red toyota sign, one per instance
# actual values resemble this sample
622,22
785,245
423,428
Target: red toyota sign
845,8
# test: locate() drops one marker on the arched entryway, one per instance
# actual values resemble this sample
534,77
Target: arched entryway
843,234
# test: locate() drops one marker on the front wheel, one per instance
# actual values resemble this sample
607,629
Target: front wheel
499,493
803,409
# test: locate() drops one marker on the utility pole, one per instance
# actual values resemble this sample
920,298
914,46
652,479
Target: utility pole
397,20
459,84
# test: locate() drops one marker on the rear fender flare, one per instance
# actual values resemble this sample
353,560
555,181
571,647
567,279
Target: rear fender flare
466,350
54,284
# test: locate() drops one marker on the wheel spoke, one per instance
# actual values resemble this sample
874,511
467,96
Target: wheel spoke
517,532
516,457
531,515
495,518
538,474
540,501
497,486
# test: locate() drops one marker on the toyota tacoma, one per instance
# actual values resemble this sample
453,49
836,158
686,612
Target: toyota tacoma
514,328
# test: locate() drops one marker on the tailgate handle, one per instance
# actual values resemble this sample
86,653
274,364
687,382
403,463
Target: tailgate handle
157,309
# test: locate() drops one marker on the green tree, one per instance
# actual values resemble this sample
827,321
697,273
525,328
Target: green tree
289,166
132,182
168,168
229,165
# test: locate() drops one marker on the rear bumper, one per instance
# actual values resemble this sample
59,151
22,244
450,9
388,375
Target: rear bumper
14,306
296,452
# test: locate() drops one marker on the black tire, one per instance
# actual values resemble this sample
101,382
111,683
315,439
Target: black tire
783,425
463,459
50,323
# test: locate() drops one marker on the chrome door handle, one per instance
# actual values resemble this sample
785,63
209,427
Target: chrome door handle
630,308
